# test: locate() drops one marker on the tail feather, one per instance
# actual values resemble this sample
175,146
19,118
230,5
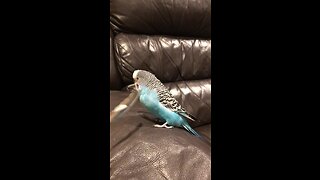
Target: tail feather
187,115
188,128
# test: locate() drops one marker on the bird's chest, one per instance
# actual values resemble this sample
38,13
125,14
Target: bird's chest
150,100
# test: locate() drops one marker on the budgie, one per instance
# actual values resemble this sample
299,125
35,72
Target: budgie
160,102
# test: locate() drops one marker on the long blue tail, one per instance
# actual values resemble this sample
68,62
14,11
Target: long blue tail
189,128
192,131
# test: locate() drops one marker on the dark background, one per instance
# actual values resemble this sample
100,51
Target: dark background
55,89
265,91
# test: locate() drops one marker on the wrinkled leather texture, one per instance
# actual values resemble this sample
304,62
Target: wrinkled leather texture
115,79
169,58
140,151
167,17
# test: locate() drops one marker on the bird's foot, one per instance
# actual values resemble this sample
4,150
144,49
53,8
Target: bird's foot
169,127
163,126
157,125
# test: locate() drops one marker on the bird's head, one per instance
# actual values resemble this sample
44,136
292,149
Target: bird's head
141,78
138,80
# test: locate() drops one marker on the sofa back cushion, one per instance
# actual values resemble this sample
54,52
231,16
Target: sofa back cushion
190,18
171,59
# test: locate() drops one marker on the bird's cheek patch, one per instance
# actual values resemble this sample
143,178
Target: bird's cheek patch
137,86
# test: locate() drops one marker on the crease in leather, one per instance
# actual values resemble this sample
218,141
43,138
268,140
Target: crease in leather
115,79
169,58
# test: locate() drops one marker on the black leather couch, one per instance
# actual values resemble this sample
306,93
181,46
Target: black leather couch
171,39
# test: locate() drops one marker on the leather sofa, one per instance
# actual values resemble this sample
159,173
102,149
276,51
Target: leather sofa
171,39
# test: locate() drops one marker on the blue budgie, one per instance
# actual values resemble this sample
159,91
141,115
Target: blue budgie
159,101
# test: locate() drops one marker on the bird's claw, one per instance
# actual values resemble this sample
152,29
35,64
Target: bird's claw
168,127
157,125
163,126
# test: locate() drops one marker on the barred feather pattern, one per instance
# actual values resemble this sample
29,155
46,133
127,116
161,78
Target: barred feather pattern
164,95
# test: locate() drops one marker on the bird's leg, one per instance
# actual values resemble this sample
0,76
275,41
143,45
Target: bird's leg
160,126
163,125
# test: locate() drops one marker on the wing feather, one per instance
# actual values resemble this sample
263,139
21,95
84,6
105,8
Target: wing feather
167,100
